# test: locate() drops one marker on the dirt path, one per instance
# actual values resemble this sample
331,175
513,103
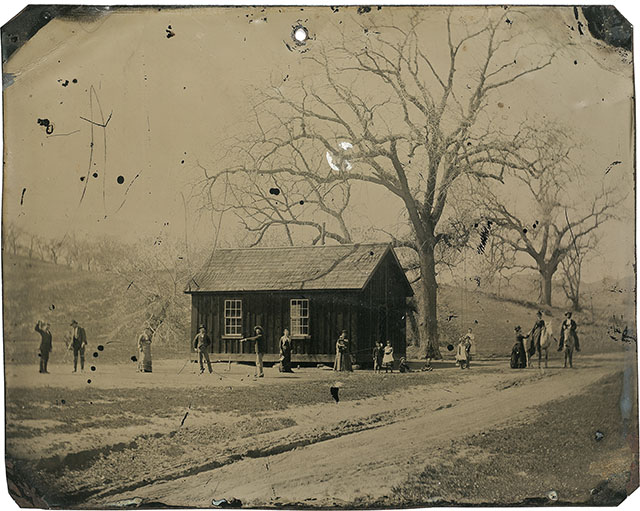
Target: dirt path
366,464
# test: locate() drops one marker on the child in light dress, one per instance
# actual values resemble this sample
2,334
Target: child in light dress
387,359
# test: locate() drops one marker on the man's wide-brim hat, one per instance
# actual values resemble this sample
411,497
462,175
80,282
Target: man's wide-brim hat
202,326
73,322
517,329
567,314
258,327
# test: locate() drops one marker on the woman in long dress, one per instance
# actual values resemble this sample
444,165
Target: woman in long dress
343,354
285,352
144,346
518,352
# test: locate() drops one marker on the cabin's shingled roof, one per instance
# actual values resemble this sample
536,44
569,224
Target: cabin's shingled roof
291,268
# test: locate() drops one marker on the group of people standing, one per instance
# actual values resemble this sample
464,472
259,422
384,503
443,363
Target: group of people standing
77,343
202,345
538,340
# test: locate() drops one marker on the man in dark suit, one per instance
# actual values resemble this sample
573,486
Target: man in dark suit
202,344
45,345
78,344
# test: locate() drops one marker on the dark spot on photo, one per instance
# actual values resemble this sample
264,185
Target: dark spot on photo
274,191
93,368
82,178
301,202
100,347
95,174
95,354
134,358
120,180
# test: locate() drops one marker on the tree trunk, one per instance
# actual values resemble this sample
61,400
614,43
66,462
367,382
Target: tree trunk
546,286
430,292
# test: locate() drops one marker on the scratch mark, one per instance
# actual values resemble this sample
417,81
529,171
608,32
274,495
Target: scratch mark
102,124
127,191
22,196
64,134
613,164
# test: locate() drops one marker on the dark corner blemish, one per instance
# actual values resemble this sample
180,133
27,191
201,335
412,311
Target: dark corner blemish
607,24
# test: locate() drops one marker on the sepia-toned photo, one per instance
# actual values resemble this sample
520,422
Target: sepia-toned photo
319,257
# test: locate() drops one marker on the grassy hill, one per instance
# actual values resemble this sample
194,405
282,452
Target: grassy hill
493,318
110,309
113,311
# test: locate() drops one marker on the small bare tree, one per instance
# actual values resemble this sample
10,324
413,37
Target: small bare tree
560,219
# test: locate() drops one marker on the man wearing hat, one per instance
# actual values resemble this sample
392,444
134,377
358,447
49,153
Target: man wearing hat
260,349
78,343
45,344
568,339
202,343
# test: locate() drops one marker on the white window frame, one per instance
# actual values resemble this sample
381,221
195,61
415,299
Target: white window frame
233,327
299,322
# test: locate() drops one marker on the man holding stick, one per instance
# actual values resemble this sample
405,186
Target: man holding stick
260,349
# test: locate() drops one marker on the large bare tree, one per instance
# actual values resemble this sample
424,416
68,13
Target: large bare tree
397,108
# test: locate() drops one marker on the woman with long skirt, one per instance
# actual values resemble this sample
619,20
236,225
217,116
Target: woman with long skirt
343,354
144,347
285,352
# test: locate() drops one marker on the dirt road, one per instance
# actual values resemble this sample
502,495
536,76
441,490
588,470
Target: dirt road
343,469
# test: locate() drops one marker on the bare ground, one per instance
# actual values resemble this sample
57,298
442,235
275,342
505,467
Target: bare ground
177,438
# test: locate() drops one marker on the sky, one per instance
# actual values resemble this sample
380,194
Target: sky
171,103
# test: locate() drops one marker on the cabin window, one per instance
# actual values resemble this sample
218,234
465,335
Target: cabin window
300,317
233,318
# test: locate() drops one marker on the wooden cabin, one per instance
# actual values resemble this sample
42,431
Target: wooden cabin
314,291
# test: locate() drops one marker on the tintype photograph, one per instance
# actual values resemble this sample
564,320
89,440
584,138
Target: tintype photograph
319,257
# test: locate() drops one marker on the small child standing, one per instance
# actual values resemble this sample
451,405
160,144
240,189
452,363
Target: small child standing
461,354
387,360
378,352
